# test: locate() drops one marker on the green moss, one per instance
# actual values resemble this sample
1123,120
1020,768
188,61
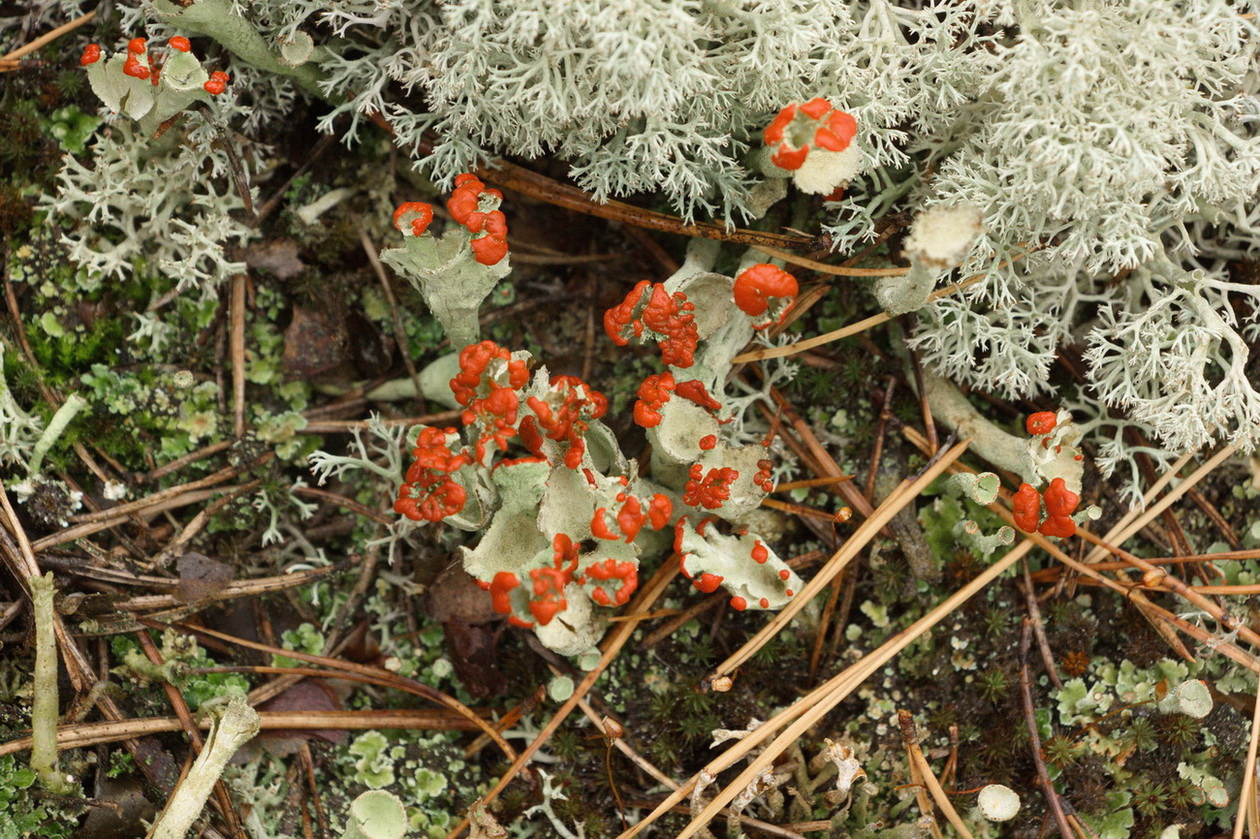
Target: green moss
24,813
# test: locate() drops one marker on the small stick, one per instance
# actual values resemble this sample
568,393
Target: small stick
824,624
862,325
919,761
1039,629
348,426
929,425
838,334
570,197
400,334
877,451
833,270
1034,744
1209,509
1247,810
308,764
238,353
46,38
181,462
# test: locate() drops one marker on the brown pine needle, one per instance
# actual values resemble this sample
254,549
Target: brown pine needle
924,771
809,483
84,735
48,37
843,332
811,708
1248,807
900,497
832,270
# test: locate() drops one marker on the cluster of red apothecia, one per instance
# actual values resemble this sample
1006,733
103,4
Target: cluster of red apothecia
150,69
489,227
1060,502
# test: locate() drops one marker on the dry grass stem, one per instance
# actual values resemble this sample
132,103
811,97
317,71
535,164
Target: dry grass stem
839,334
85,735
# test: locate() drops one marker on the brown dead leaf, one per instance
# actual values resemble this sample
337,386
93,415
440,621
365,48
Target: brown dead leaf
275,256
316,344
307,695
200,576
455,595
474,654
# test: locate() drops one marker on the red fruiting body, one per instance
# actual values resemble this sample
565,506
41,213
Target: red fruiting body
762,478
668,317
706,582
500,588
568,421
711,490
549,583
488,250
1059,500
1060,526
414,216
91,55
428,492
695,391
653,394
1042,422
1027,508
599,526
611,569
217,84
708,442
620,318
464,205
814,122
473,361
444,498
464,201
660,508
739,604
631,518
837,132
774,131
759,553
137,46
179,42
496,411
132,67
756,285
790,158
